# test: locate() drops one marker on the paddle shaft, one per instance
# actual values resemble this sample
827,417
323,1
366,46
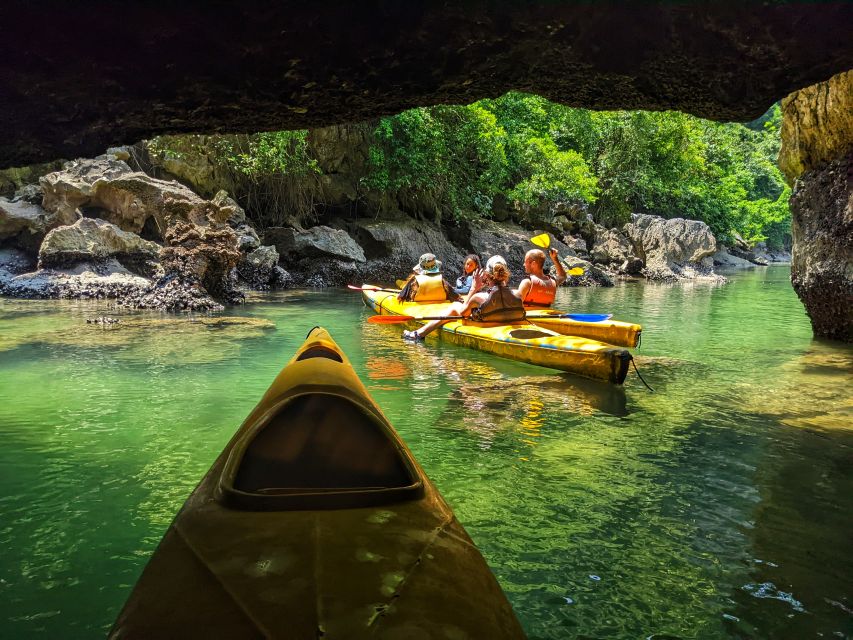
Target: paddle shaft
371,288
580,317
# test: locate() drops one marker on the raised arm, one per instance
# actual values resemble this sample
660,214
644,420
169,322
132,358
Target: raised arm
561,272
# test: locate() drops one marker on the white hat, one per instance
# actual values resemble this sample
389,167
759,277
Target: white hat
494,260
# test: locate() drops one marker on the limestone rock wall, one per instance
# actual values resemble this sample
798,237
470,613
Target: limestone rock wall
822,229
817,156
817,125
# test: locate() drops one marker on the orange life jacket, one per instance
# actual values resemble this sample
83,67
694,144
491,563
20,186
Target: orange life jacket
542,292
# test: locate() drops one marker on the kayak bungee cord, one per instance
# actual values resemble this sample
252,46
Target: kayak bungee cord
640,376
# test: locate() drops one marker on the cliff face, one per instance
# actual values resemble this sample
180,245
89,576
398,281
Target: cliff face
817,157
817,127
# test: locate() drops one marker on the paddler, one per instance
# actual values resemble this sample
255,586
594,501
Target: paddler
539,289
496,302
426,284
466,280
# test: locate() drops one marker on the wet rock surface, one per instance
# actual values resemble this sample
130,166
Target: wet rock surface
817,157
822,265
260,269
108,279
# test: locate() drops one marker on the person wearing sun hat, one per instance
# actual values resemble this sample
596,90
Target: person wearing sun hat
427,264
426,284
497,303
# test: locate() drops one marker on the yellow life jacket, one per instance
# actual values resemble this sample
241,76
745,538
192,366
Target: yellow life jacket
430,288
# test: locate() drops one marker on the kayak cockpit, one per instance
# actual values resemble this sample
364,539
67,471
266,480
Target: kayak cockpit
318,451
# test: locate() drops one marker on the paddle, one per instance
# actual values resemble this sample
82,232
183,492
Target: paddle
544,240
402,319
370,287
580,317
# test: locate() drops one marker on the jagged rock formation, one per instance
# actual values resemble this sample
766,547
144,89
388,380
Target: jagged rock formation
260,269
108,188
612,247
25,224
817,155
204,256
672,249
93,240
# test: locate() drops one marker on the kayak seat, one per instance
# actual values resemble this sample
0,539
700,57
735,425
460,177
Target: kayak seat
529,334
321,442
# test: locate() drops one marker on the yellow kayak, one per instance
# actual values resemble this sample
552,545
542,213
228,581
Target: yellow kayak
521,341
622,334
615,332
316,521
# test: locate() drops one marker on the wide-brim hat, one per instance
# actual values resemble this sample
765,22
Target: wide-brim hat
427,264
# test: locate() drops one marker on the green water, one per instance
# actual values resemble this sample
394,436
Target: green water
720,506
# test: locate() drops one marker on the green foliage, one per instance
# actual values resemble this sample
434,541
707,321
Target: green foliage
283,153
538,153
553,175
272,174
450,163
450,156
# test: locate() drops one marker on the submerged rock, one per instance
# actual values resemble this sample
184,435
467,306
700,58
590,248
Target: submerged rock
164,340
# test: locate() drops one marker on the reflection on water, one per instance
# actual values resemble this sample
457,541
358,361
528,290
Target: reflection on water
719,506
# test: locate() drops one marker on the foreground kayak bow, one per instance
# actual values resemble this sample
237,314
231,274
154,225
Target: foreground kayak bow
316,521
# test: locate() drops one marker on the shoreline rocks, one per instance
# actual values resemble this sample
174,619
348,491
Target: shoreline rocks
105,230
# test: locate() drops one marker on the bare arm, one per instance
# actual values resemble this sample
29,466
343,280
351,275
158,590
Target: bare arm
558,265
523,289
478,277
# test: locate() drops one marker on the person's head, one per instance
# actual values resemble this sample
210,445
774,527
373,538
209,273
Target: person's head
534,260
497,269
472,263
427,264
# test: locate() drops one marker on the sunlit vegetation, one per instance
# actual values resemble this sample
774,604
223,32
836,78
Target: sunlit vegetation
528,153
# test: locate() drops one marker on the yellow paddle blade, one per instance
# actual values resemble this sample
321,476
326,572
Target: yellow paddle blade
577,271
542,240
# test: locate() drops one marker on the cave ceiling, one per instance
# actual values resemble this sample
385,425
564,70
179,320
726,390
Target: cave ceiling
76,78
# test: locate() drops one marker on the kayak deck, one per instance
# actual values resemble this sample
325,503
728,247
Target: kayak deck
316,521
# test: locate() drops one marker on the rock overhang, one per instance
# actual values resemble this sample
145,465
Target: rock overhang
78,79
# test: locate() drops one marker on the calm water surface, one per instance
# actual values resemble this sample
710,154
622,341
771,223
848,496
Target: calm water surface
720,506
